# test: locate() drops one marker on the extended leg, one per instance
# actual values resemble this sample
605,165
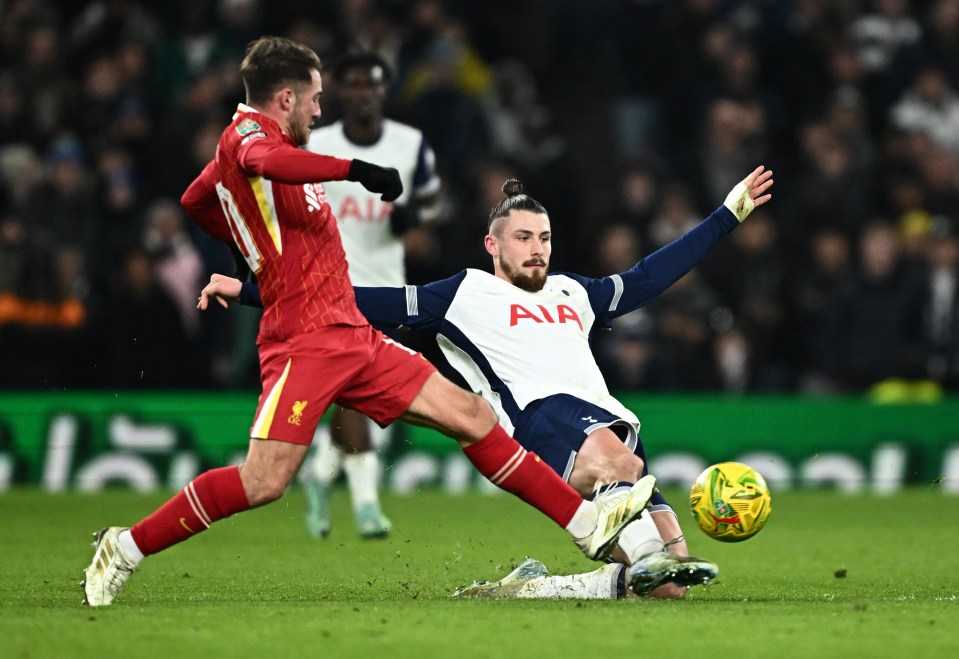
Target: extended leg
211,496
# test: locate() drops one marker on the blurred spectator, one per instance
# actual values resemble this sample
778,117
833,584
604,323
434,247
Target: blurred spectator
847,119
15,123
684,336
749,272
734,361
104,24
876,322
238,23
940,178
442,91
886,40
942,305
192,49
62,208
143,343
882,35
638,195
941,43
734,141
675,216
48,88
627,352
930,106
373,27
509,100
20,173
814,297
176,261
829,190
13,253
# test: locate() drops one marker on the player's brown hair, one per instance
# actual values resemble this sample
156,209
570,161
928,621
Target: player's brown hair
272,63
515,198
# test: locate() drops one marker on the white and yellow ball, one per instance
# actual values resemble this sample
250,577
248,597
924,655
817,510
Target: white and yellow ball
730,501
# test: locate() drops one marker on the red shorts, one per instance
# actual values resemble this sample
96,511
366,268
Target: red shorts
357,367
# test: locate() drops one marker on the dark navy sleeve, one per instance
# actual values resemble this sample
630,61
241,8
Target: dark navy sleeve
422,307
617,295
250,294
425,169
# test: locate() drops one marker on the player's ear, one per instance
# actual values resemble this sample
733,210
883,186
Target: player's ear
489,242
285,98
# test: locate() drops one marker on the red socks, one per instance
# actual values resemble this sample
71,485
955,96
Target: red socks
211,496
509,466
219,493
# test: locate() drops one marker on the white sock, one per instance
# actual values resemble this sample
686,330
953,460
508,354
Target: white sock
586,517
362,474
129,546
380,437
584,520
641,537
601,584
327,459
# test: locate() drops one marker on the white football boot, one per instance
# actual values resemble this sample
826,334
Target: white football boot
615,509
654,569
508,586
111,567
371,522
317,494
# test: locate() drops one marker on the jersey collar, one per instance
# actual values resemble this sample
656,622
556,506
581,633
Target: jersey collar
263,120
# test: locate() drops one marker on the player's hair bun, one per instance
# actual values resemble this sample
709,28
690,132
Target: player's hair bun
512,187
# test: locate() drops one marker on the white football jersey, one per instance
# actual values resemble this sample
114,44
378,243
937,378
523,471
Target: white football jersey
374,254
535,344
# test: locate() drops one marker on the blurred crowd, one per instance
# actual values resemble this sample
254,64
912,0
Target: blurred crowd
630,120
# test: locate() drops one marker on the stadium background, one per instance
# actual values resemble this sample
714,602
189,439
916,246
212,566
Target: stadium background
629,120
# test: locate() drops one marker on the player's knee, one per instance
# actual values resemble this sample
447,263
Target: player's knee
483,413
475,419
262,489
626,467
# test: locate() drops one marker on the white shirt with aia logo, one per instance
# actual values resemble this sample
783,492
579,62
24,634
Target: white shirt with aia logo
374,254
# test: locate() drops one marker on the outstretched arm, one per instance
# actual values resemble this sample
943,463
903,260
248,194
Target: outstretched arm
619,294
423,307
287,164
384,307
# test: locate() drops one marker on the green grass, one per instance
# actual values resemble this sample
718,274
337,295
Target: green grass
255,586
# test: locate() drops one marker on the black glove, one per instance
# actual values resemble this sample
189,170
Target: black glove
377,179
402,219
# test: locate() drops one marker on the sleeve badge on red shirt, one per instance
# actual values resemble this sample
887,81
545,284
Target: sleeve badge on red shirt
247,126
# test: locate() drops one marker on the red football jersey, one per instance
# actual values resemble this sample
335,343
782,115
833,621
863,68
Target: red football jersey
279,217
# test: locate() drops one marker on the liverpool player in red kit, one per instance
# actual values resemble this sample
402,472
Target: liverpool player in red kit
264,193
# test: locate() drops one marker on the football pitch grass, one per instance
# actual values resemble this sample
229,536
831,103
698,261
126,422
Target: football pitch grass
831,575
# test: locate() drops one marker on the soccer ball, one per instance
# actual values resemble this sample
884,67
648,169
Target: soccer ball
730,501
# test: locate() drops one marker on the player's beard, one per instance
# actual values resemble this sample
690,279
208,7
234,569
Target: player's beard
300,133
528,282
300,128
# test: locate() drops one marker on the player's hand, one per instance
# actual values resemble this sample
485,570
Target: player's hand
750,193
402,219
221,288
385,180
